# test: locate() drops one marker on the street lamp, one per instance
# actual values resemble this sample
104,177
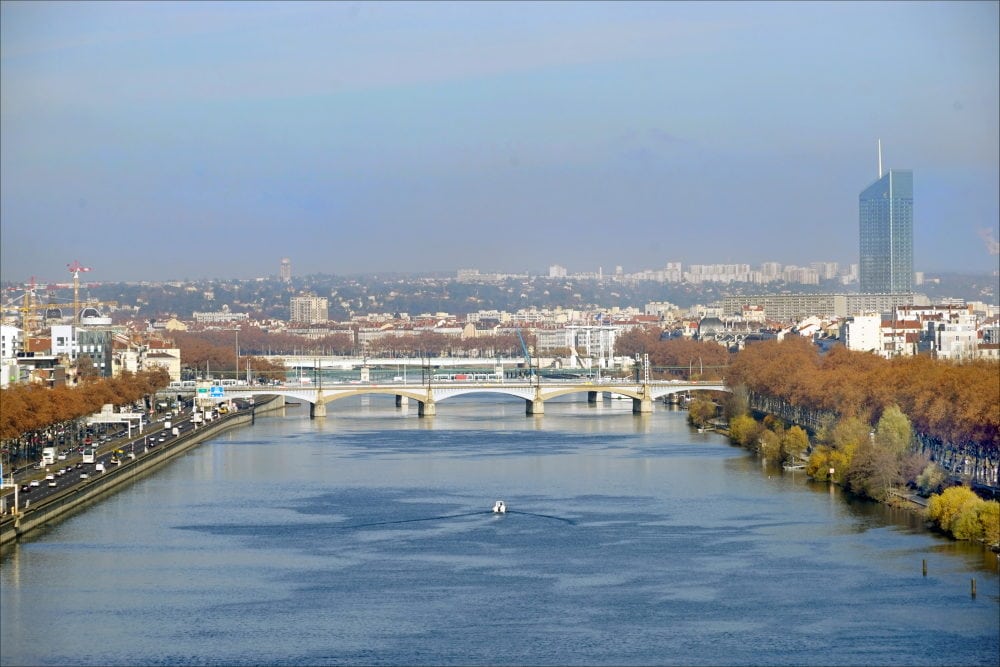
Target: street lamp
236,372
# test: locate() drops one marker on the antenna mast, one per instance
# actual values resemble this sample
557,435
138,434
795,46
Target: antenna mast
880,159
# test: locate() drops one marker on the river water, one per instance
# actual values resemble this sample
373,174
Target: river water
366,538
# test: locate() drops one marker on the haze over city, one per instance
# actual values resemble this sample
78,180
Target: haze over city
156,141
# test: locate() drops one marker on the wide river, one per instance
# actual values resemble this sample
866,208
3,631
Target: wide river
367,538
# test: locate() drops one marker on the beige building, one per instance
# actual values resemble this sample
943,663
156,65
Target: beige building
309,309
170,359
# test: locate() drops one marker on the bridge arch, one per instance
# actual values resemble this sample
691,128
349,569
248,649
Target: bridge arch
427,395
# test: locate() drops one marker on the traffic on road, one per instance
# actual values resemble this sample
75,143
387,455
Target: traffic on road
66,470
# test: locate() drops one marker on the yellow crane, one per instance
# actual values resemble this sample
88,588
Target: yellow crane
30,305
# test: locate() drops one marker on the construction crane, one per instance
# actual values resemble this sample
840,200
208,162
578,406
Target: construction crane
31,304
27,308
75,268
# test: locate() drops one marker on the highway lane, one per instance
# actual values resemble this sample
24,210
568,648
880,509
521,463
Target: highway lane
37,485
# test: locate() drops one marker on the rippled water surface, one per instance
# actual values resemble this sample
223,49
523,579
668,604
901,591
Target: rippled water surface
366,538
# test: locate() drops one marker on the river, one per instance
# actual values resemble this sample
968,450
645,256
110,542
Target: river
367,538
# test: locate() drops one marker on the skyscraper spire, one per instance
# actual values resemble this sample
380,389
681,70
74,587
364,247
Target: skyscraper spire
879,158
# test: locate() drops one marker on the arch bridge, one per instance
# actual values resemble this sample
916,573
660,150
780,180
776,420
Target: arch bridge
428,395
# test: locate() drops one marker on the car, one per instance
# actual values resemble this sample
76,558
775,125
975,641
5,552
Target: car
52,482
84,475
62,456
50,477
25,489
35,482
163,438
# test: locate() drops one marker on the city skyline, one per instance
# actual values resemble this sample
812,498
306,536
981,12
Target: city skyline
170,141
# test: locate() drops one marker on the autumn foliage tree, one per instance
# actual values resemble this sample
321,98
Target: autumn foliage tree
965,516
33,408
954,403
674,357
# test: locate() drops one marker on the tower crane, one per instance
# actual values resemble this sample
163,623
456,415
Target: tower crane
75,268
31,304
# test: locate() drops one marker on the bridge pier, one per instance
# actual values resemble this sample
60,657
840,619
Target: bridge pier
317,409
592,397
534,407
427,408
402,401
642,406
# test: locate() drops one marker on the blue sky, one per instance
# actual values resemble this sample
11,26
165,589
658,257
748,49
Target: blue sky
155,141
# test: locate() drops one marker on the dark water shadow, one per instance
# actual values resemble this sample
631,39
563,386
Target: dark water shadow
543,516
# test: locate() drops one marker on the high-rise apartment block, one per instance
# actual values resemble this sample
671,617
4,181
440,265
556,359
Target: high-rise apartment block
886,234
286,270
309,309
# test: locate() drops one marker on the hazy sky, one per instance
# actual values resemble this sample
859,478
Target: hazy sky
197,140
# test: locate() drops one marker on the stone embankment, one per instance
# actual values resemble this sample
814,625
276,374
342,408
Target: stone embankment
74,498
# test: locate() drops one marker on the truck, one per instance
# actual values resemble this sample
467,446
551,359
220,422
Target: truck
49,456
175,431
166,425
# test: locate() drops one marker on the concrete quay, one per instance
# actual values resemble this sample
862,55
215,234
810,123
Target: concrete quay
14,527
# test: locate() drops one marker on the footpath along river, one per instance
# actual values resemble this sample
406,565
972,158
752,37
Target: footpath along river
366,538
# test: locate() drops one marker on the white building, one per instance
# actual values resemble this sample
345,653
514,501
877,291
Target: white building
11,341
863,333
64,341
953,340
219,316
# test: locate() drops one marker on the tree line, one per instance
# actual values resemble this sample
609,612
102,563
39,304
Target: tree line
870,411
957,403
675,357
32,411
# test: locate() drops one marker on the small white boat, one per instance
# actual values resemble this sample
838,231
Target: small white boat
499,507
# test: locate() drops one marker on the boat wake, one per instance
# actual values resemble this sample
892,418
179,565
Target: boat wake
402,521
445,517
544,516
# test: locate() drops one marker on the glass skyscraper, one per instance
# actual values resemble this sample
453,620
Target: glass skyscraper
886,234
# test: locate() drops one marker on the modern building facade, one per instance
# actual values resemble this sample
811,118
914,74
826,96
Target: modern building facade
886,234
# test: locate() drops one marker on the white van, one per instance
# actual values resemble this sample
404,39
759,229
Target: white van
49,456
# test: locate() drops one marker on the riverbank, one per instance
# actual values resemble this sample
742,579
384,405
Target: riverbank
906,499
86,492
